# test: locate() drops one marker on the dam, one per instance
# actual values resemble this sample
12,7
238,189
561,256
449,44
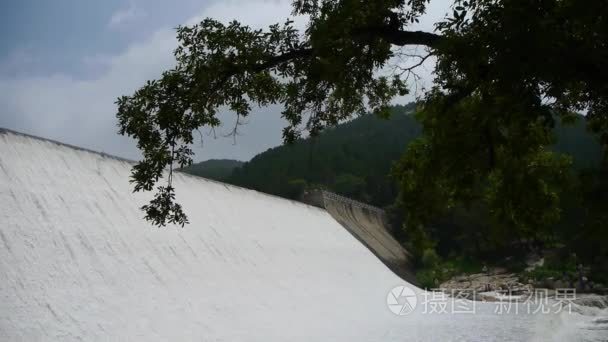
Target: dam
369,225
78,262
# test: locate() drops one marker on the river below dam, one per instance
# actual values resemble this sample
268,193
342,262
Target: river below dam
463,320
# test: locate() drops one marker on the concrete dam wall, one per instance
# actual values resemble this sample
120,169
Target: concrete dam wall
369,225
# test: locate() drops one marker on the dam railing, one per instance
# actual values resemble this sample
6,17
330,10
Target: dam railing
340,198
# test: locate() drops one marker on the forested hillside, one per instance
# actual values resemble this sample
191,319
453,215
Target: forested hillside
354,159
218,169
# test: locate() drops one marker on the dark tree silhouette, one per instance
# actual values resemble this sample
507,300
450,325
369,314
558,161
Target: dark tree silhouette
506,70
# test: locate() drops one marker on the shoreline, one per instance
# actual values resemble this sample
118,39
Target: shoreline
501,285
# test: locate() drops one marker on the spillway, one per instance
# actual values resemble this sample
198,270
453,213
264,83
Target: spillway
78,262
369,225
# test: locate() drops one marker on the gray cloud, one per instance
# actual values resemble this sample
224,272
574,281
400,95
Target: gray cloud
82,111
126,15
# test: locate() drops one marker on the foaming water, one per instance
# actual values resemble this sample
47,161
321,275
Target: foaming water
579,323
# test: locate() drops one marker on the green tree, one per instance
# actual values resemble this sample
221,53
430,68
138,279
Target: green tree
505,71
295,188
349,185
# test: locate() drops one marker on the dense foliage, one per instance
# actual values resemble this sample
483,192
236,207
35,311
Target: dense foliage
506,73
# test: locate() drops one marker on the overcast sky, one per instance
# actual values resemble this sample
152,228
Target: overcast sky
63,63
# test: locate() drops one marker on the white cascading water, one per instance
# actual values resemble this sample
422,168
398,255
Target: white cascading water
78,262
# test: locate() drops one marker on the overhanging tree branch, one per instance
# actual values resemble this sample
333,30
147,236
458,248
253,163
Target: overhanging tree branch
395,37
286,57
325,75
402,38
